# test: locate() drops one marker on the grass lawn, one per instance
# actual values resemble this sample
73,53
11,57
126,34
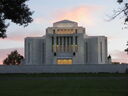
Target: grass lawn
86,87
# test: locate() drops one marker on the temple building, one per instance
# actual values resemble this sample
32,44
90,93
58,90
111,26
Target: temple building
66,43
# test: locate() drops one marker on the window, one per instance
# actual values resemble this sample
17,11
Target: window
71,40
29,50
76,40
67,40
57,42
101,51
52,40
64,43
65,31
64,61
86,47
43,52
52,44
54,31
60,40
76,31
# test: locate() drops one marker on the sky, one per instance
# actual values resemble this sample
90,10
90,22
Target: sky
94,15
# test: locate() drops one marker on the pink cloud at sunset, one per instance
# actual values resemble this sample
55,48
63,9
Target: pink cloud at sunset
19,36
119,56
82,14
4,53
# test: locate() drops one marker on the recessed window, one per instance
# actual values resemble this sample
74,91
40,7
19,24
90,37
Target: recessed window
55,54
76,40
64,61
76,31
54,31
101,51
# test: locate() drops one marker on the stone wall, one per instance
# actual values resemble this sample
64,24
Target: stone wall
88,68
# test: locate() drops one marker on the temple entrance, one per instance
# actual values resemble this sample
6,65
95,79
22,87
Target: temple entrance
64,61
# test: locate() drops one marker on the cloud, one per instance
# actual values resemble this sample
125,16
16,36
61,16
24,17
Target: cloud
20,35
83,14
119,56
4,53
39,20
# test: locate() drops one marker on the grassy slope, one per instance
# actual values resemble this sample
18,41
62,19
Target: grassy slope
87,87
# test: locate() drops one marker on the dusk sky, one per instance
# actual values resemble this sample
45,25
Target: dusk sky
91,14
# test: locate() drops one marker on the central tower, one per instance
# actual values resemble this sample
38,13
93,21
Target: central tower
65,43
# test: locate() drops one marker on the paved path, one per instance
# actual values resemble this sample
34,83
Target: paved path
61,78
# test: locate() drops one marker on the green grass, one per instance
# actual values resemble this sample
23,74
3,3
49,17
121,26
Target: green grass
87,87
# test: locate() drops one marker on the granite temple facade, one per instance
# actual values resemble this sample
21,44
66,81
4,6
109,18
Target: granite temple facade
65,43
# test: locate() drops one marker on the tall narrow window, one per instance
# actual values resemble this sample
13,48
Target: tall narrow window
71,40
67,44
52,40
54,31
76,31
57,42
43,52
52,44
101,51
67,40
86,45
60,40
29,49
64,44
60,46
76,40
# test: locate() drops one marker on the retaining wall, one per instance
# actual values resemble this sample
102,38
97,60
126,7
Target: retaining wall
87,68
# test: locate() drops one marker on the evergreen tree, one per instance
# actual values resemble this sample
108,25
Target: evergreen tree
14,58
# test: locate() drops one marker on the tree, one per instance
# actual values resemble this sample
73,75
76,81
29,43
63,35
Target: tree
126,50
16,11
122,10
14,58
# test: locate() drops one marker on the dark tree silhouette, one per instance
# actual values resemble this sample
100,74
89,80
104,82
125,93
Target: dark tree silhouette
122,10
14,58
126,50
16,11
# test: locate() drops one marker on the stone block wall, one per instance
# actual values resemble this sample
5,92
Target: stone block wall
87,68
